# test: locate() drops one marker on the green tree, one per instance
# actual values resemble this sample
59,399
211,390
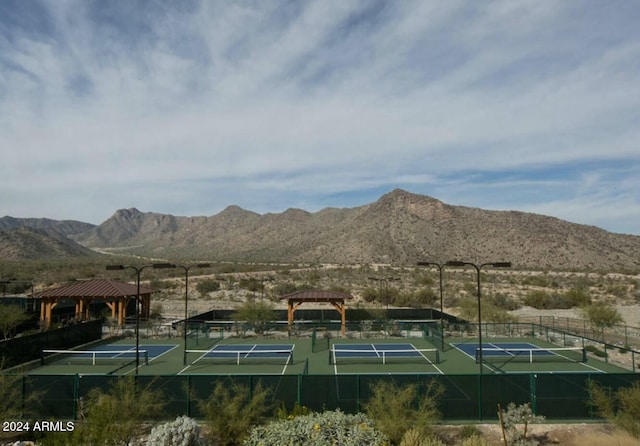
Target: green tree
620,407
233,409
601,315
256,314
114,417
468,308
396,409
11,316
13,404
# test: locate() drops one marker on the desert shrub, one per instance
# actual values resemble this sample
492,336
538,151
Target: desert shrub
620,407
546,301
297,410
617,438
11,316
578,296
318,429
602,315
413,437
207,286
397,409
184,431
426,297
468,308
540,281
469,430
13,404
233,409
595,351
538,299
474,440
491,313
257,314
281,289
502,301
113,417
515,421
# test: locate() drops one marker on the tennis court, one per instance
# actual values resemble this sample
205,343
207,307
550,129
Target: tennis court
227,358
101,359
384,357
322,368
527,357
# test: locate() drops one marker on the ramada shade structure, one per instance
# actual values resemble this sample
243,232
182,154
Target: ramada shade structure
115,294
335,298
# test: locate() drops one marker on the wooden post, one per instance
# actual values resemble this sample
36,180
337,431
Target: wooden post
504,434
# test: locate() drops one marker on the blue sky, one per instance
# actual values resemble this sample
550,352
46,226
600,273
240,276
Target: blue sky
188,107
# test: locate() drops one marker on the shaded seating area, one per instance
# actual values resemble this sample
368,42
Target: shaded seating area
335,298
116,295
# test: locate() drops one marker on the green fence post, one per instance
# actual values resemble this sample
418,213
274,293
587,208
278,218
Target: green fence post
479,396
299,391
76,392
532,390
358,392
589,396
188,395
24,390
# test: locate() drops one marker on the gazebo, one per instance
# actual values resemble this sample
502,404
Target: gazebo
335,298
116,296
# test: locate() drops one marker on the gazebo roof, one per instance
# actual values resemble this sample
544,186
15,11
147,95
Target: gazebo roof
95,288
316,296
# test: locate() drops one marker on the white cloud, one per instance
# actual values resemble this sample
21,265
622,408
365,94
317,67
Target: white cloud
273,105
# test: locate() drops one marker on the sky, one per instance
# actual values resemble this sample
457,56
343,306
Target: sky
187,107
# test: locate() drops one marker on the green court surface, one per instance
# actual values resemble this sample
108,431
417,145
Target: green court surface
290,356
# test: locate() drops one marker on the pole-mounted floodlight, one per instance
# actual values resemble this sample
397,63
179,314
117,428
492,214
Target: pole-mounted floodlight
186,300
478,268
138,270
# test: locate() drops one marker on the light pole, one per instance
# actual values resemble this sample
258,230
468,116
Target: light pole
478,268
440,267
138,270
186,300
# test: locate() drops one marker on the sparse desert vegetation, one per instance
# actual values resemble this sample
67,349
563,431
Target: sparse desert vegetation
602,299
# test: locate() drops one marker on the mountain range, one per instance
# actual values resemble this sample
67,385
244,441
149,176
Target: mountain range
400,227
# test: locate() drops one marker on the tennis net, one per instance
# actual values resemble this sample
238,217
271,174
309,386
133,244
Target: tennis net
531,355
340,355
93,357
238,357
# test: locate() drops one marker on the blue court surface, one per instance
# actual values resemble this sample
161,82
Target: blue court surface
250,351
506,350
376,351
385,351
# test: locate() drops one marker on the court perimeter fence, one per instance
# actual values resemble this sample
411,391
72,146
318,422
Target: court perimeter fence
26,348
466,397
439,333
619,355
